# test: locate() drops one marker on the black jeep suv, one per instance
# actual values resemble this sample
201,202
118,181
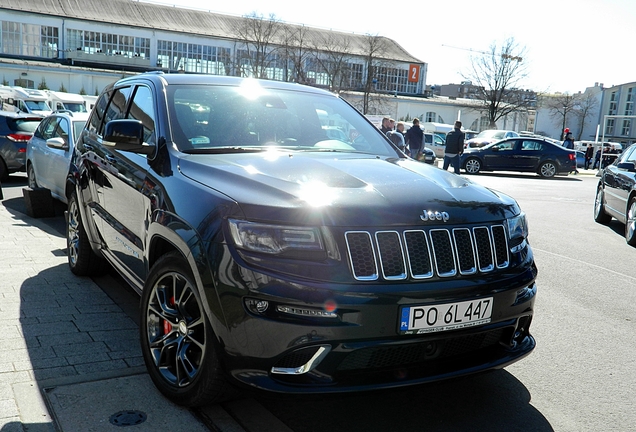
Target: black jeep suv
271,256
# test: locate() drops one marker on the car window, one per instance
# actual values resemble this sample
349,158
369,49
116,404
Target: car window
99,112
77,128
142,109
506,145
62,129
45,128
428,139
531,145
117,107
629,155
439,140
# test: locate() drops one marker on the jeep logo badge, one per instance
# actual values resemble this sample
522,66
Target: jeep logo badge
428,215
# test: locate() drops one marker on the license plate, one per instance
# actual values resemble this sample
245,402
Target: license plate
442,317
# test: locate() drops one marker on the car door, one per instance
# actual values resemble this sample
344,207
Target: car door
38,150
56,161
125,228
529,155
501,156
619,182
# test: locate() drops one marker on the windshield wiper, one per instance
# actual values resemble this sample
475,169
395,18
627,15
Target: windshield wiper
221,150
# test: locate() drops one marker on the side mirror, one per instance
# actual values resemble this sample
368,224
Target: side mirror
628,166
126,135
57,143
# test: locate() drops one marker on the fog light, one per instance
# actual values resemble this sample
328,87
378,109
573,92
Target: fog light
257,306
306,312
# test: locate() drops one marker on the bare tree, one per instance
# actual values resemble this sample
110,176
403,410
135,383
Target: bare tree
295,51
585,105
258,36
332,54
560,106
497,74
374,54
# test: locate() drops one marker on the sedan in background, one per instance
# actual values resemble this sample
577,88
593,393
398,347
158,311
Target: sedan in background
522,155
489,136
616,194
49,151
15,131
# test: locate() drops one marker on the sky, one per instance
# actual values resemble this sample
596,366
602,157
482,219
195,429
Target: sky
569,44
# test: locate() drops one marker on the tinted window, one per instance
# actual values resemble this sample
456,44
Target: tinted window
117,107
142,109
99,112
532,145
28,125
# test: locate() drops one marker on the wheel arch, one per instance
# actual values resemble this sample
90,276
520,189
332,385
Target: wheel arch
162,239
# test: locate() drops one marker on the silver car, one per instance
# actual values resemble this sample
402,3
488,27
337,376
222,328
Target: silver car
50,149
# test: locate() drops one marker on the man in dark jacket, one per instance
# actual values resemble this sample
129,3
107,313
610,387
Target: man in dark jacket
414,138
454,147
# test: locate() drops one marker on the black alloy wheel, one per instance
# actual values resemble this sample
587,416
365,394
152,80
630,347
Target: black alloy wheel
599,208
177,340
81,258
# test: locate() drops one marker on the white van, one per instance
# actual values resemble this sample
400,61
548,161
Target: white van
582,145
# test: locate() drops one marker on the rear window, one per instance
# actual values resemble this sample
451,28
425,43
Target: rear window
28,125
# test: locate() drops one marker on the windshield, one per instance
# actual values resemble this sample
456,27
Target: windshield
218,118
75,107
496,134
37,105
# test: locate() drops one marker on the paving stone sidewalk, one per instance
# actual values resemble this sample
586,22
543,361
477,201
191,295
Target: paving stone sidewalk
56,326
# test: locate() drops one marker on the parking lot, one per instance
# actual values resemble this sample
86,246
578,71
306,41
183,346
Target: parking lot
579,378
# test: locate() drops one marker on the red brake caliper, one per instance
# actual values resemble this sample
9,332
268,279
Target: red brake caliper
167,327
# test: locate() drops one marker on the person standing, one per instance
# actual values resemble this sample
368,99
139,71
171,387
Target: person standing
597,158
589,153
568,143
454,147
415,138
387,124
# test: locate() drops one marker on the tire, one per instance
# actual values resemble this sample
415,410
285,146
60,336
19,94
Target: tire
31,180
630,223
547,169
472,165
599,208
177,341
81,258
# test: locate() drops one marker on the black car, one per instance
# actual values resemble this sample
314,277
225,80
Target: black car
274,257
616,193
522,155
15,131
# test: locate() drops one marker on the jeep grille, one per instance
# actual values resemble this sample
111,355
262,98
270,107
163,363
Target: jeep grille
422,254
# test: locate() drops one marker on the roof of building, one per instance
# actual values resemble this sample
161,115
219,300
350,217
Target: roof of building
196,22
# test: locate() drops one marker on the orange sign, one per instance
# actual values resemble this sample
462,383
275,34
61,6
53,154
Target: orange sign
414,73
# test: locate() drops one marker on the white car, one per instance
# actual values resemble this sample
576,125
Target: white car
490,136
50,149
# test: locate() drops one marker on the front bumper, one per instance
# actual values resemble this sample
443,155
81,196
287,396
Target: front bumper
297,349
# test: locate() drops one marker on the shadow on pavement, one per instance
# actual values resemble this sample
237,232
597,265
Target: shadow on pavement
494,401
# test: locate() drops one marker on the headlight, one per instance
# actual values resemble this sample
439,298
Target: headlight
275,239
518,227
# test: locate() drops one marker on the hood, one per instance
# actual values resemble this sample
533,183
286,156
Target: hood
343,189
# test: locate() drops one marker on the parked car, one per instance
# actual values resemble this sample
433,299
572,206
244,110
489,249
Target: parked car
15,131
520,154
271,256
50,149
489,136
435,142
616,194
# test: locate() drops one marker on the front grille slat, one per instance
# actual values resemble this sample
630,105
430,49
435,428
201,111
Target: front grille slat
423,254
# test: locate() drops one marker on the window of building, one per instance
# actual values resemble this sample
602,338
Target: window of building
609,127
612,105
626,127
629,103
31,40
430,116
108,43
